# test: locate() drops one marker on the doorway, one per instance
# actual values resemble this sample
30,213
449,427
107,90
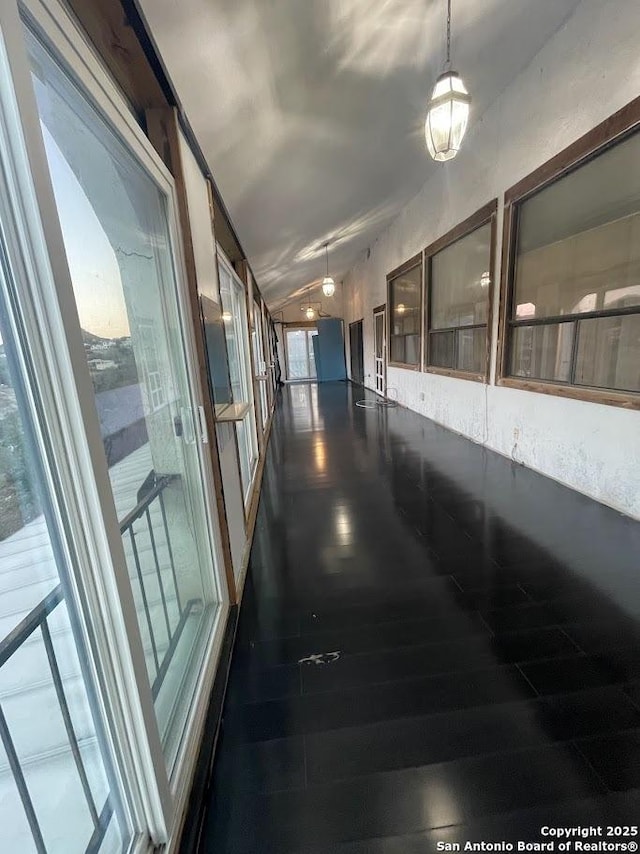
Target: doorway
356,352
301,362
380,348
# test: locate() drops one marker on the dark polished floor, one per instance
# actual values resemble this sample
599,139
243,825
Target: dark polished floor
435,644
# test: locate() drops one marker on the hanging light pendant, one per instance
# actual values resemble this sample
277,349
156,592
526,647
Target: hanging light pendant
448,113
328,285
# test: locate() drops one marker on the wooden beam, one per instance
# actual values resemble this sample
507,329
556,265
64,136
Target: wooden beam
109,28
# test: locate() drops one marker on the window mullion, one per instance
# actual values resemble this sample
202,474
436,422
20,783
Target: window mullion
574,351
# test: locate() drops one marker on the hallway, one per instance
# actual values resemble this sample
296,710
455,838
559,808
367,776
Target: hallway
435,644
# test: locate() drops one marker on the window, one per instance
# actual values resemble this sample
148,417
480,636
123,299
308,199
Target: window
234,305
115,221
259,363
151,363
573,307
58,789
459,276
405,313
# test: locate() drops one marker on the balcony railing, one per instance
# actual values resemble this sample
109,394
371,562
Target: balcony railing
135,523
151,490
38,619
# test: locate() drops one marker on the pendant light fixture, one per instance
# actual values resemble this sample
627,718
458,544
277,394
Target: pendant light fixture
310,308
448,112
328,285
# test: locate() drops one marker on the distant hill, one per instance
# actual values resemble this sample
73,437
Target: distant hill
94,340
90,338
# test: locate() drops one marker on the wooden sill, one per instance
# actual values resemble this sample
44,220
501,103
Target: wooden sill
591,395
457,374
225,412
403,366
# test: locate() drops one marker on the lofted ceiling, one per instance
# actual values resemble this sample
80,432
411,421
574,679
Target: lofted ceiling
310,112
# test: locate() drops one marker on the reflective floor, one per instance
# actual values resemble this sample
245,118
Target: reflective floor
435,644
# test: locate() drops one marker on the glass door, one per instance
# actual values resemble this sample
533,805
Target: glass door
115,221
301,363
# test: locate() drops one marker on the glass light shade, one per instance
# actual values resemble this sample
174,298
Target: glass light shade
310,313
447,117
328,286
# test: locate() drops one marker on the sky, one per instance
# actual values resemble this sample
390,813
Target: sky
92,261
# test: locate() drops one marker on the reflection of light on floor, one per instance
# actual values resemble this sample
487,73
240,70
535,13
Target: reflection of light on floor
344,525
320,456
304,406
440,806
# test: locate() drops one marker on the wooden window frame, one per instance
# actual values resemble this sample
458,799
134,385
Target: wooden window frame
614,130
487,214
413,262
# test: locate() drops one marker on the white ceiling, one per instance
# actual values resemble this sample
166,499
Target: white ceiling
310,112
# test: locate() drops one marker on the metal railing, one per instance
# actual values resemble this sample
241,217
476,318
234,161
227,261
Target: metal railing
151,490
38,619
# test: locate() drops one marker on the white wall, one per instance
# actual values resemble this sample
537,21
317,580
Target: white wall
586,71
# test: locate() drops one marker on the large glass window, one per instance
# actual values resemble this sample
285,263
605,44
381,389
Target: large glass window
115,224
405,307
575,304
458,303
233,297
56,785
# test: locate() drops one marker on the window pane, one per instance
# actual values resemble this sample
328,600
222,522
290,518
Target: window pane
216,347
579,239
233,334
542,352
114,221
300,354
608,352
311,334
234,304
48,701
297,354
442,349
405,297
472,349
460,281
379,332
259,362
